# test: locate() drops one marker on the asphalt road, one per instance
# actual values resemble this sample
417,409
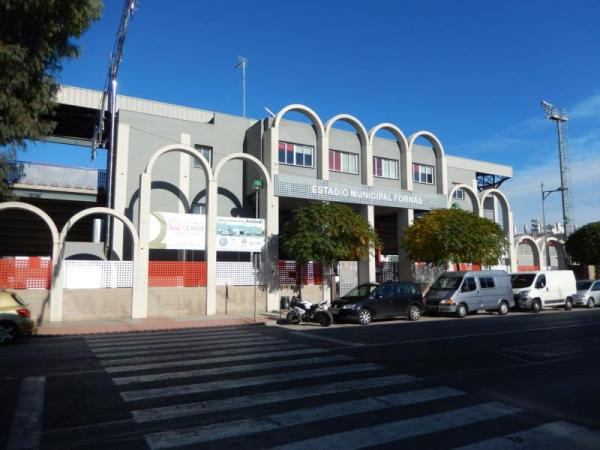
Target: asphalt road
519,381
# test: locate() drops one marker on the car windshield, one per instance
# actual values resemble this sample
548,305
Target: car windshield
361,291
446,282
522,280
583,285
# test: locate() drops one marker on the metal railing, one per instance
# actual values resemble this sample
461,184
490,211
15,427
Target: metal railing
52,175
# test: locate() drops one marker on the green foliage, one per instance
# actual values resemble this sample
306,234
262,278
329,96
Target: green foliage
328,233
35,35
446,235
584,244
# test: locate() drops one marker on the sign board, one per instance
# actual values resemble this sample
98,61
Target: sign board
188,232
302,187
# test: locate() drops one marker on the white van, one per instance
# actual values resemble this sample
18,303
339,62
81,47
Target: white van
544,289
463,293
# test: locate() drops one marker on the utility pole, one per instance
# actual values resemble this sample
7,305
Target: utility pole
545,195
560,117
243,62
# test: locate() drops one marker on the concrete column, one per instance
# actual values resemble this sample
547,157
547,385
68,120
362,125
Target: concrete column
442,169
404,218
56,289
407,180
140,268
323,153
120,186
366,269
367,164
269,208
512,252
184,171
211,247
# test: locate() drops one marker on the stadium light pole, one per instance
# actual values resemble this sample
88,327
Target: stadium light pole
545,195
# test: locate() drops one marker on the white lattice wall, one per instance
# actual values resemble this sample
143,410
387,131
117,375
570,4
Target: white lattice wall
97,274
237,274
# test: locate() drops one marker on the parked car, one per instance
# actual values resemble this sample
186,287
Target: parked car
370,301
544,289
463,293
588,293
15,318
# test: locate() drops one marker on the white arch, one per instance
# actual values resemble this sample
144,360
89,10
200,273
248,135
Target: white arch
489,192
245,156
440,158
184,149
403,144
472,195
38,212
560,249
99,210
304,110
507,219
357,124
537,255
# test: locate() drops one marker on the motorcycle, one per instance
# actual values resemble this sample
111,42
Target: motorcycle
305,311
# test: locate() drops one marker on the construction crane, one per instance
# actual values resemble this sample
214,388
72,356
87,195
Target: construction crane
561,119
109,100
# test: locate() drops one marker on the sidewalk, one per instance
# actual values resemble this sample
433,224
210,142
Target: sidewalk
152,324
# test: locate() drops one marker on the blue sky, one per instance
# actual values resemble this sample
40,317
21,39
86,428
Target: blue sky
471,72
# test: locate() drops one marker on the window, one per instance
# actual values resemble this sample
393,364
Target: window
343,162
469,285
596,286
199,208
385,168
487,282
459,194
206,151
296,154
540,283
423,174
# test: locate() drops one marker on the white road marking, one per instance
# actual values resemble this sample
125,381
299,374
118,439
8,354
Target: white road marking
551,436
197,362
327,339
190,346
213,432
144,394
166,333
26,428
229,369
211,406
185,343
402,429
262,349
159,339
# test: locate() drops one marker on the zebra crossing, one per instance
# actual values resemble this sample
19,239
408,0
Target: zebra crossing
221,388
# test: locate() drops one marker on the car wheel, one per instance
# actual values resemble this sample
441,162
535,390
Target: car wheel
364,316
590,303
414,313
568,304
293,317
8,332
503,308
536,306
461,311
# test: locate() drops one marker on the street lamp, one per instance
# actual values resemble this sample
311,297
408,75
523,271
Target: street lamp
545,195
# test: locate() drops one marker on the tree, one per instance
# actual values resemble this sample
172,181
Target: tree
584,244
328,233
35,36
446,235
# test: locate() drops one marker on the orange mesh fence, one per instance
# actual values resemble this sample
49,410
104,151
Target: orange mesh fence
26,273
528,268
291,273
177,273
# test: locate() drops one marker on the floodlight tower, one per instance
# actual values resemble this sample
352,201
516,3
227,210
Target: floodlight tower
560,117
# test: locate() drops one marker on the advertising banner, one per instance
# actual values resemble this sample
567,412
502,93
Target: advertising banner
188,232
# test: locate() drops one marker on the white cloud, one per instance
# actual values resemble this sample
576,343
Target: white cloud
588,108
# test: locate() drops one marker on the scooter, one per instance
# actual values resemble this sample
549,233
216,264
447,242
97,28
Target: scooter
305,311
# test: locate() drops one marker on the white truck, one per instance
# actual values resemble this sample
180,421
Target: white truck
544,289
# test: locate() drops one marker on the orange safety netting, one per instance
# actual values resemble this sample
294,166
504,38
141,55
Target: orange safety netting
29,273
533,268
177,273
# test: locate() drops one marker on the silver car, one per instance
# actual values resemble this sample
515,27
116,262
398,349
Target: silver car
588,293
